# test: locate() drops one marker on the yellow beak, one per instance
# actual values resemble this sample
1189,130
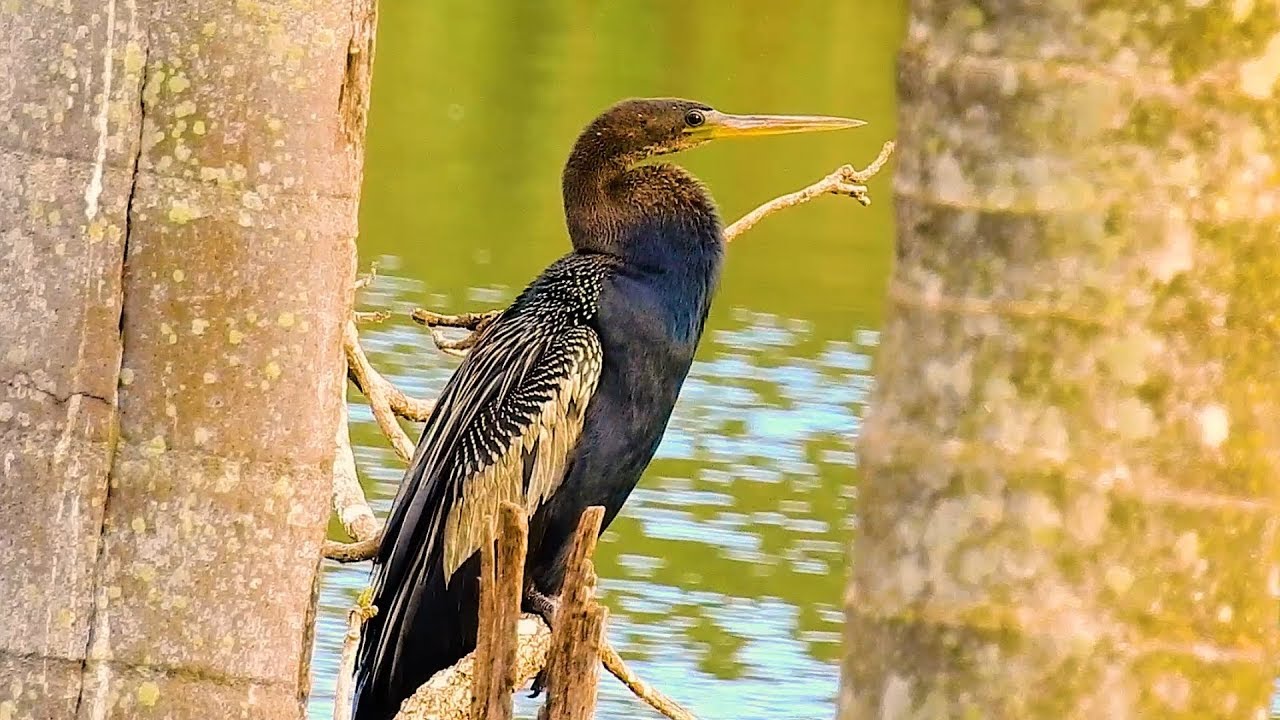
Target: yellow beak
723,125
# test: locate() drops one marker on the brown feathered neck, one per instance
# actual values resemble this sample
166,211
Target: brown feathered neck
615,205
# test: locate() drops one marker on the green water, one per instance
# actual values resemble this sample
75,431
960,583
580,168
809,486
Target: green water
725,571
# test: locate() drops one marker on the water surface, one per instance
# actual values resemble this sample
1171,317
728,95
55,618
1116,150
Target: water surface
724,573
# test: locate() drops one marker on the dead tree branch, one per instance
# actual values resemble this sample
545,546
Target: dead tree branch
377,390
475,322
447,695
501,590
367,380
652,696
573,666
844,181
349,502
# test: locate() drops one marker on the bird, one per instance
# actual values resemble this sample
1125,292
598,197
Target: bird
562,401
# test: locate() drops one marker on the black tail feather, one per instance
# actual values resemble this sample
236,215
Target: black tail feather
435,629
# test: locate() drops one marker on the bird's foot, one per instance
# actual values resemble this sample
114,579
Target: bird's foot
544,606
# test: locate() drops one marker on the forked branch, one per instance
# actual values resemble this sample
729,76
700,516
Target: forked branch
843,181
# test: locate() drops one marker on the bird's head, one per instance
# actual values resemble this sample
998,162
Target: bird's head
633,130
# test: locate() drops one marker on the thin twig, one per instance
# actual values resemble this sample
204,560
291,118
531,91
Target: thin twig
356,618
358,551
844,181
467,321
377,390
365,377
649,694
475,322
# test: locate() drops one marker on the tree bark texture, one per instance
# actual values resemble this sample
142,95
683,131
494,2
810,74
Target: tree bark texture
178,192
1070,503
573,663
501,592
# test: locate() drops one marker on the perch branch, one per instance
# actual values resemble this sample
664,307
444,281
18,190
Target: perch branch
844,181
447,695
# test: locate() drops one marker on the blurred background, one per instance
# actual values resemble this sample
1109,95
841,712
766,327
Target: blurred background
724,573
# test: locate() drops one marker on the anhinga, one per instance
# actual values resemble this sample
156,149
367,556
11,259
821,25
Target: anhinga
563,399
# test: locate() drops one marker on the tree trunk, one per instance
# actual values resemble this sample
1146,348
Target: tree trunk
1071,486
178,192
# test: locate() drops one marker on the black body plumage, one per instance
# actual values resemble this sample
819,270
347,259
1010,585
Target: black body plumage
562,401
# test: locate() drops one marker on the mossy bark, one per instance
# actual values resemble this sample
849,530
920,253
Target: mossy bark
178,192
1072,481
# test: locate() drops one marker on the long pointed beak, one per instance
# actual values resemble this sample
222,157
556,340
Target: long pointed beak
722,125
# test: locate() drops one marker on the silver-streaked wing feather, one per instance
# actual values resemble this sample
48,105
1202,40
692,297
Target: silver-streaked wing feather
504,428
544,416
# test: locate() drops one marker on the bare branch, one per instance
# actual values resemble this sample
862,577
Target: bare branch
467,321
363,374
447,695
475,322
573,666
844,181
378,391
653,697
348,497
358,520
356,618
349,502
358,551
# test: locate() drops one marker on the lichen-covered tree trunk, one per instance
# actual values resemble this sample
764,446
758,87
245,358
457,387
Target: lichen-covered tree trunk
178,192
1073,453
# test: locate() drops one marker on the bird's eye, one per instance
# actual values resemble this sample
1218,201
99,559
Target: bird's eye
694,118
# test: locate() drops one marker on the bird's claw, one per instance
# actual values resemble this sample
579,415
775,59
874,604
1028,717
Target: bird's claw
545,607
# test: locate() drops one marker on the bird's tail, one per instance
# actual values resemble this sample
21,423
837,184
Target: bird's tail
421,627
